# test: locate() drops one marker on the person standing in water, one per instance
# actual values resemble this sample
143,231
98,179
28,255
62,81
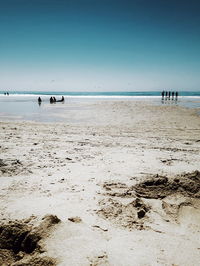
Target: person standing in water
39,101
163,94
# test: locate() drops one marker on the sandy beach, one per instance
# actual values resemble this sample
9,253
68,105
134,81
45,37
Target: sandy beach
117,185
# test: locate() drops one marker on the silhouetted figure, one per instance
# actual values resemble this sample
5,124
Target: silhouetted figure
39,101
51,100
62,99
176,95
166,94
163,94
169,93
7,93
172,95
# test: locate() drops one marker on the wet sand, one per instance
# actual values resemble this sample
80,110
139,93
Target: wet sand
117,186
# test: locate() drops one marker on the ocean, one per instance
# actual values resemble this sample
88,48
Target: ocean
98,94
23,105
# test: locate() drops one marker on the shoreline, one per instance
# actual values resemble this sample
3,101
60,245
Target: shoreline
27,109
99,97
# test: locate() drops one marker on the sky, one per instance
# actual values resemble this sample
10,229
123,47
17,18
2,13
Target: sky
99,45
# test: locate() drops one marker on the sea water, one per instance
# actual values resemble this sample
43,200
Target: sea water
23,105
99,94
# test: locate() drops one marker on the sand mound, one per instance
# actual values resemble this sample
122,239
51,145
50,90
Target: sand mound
158,187
11,167
18,239
174,193
161,187
131,215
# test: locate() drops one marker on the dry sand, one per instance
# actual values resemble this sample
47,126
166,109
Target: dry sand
117,186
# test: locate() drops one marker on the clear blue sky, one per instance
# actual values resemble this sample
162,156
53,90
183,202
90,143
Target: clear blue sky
99,45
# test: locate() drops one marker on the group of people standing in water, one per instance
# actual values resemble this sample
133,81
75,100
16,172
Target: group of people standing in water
52,100
167,95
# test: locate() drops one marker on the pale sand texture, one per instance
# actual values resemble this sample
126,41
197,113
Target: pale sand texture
87,171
